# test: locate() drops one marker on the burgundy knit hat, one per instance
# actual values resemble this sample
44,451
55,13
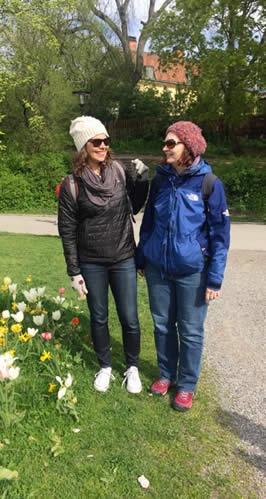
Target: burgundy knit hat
190,135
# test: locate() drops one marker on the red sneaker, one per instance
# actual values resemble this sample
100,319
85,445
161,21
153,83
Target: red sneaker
183,401
160,387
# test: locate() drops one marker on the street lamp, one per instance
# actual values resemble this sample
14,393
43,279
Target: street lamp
82,94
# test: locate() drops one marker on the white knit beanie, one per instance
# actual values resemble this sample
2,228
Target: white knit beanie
84,128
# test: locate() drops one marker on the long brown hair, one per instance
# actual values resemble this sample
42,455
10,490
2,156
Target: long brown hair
81,159
185,160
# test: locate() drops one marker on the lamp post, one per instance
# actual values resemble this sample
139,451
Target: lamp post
82,94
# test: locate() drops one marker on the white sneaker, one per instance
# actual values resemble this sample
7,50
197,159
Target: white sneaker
102,379
132,379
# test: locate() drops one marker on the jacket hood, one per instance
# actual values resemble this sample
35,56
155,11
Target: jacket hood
200,169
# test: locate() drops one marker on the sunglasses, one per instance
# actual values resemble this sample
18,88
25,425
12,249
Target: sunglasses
171,143
98,142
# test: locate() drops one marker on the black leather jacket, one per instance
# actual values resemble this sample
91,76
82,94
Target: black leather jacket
99,234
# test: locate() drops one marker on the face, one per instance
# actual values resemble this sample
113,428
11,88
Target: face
97,153
173,154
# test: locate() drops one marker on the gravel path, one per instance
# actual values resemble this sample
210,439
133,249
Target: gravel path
235,346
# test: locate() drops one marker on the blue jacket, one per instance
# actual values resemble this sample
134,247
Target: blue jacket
181,232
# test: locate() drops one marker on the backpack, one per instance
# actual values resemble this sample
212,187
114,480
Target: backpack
72,185
206,186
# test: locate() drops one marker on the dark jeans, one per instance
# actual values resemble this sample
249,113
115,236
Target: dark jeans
123,282
178,309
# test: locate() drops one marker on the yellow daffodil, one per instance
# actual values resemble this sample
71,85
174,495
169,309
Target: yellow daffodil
2,342
27,308
28,279
2,321
14,305
51,387
45,356
4,287
44,311
7,281
3,330
16,328
74,400
25,337
12,352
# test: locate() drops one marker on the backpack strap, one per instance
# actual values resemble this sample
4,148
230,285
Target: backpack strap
157,182
207,185
72,187
121,170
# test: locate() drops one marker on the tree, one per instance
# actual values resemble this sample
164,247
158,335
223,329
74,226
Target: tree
222,44
119,28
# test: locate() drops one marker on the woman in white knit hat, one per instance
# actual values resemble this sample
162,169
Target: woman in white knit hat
95,225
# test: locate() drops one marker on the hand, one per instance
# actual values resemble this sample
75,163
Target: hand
140,167
141,272
211,294
78,284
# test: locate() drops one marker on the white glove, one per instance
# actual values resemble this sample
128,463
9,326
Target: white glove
78,284
139,165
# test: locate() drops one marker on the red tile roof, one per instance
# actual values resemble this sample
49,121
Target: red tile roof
177,74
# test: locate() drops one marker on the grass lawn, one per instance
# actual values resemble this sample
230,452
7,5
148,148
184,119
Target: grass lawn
122,436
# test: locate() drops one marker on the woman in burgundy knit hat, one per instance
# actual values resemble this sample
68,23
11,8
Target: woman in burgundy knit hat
184,240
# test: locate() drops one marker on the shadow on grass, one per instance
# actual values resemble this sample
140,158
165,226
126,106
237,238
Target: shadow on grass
250,433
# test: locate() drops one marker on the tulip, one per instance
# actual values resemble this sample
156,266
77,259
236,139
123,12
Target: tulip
68,381
21,306
61,291
47,336
13,373
5,314
7,281
38,319
56,315
32,332
18,317
12,288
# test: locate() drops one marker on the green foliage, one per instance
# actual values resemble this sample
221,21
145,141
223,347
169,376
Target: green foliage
28,182
245,184
221,45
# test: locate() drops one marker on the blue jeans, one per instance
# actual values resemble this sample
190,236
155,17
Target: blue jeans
178,310
123,282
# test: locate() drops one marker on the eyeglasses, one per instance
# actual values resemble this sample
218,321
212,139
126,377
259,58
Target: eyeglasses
171,143
98,142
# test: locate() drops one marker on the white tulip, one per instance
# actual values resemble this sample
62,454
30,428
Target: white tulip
59,380
41,291
61,392
68,381
18,317
13,373
56,315
32,332
21,306
38,319
59,300
7,359
5,314
12,288
31,295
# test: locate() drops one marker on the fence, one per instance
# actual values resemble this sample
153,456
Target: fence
254,127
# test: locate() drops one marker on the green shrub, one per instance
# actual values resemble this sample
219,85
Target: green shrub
245,185
28,182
